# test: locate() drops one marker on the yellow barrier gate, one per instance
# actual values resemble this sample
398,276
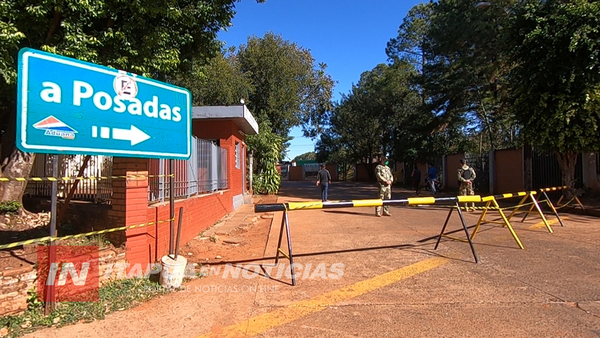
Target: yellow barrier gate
534,204
492,204
286,207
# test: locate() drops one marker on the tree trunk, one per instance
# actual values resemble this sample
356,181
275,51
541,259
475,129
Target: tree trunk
18,164
567,162
14,163
62,211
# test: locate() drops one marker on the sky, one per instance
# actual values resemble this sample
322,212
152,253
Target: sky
349,36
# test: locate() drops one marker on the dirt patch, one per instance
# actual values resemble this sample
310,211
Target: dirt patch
244,243
25,226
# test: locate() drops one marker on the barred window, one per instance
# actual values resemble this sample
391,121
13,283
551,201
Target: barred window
237,155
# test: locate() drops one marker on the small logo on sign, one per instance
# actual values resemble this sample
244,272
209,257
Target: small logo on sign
55,127
125,86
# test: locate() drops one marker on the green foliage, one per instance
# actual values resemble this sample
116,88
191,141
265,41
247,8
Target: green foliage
114,296
220,82
557,84
380,114
311,155
267,147
10,207
289,89
463,78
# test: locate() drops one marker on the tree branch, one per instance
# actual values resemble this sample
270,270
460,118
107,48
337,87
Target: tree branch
54,27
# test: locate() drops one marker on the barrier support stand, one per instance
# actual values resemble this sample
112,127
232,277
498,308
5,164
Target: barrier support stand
549,202
492,200
286,224
535,205
574,197
462,220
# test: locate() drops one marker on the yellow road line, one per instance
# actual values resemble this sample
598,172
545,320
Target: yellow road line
550,222
270,320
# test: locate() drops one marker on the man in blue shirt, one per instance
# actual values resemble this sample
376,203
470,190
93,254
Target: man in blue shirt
432,178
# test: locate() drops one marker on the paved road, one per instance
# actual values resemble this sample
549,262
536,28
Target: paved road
364,276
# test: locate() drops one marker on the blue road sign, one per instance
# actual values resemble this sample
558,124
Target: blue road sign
67,106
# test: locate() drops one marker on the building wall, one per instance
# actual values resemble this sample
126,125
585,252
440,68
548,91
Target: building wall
296,173
451,174
362,172
508,171
227,132
333,170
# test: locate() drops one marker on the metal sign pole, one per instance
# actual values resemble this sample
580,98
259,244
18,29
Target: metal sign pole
172,206
50,291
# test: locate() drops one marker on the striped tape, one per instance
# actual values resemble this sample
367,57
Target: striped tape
48,238
555,188
360,203
74,178
407,201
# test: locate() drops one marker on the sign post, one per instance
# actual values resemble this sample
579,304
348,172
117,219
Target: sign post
68,106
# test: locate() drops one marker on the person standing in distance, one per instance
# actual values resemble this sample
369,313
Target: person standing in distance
384,176
416,179
324,180
466,176
432,175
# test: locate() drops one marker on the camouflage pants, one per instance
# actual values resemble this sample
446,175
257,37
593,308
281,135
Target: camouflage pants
385,192
465,190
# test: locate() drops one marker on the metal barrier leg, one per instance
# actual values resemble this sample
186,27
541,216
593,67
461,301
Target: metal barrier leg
528,212
579,202
444,228
507,223
552,208
481,219
517,208
285,223
280,237
462,220
539,210
289,240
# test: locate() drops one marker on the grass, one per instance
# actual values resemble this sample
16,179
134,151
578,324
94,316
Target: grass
114,296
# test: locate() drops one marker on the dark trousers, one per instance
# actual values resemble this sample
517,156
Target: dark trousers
324,188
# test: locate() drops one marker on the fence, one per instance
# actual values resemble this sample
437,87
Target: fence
87,190
204,172
546,170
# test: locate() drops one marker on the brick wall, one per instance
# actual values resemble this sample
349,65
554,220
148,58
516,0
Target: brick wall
16,282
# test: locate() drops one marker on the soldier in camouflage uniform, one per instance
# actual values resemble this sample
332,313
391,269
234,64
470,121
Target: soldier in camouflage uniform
385,179
466,176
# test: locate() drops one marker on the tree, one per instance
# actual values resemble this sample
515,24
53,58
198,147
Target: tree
556,81
465,67
375,117
288,88
311,156
150,37
266,147
219,82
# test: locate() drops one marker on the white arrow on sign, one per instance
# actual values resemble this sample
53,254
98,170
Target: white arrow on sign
133,134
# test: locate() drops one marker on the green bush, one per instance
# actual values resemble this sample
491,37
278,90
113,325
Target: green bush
9,207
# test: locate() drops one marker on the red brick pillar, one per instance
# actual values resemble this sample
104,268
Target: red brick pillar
130,206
